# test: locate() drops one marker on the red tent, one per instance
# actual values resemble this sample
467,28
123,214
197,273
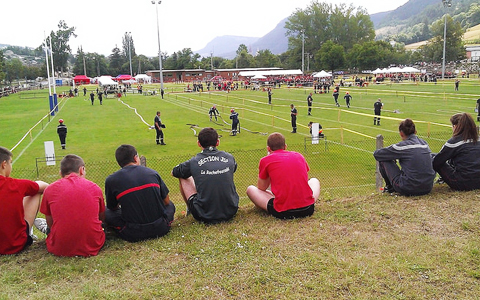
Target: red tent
123,77
81,79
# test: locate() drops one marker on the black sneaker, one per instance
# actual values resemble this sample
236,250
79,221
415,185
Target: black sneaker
440,181
388,190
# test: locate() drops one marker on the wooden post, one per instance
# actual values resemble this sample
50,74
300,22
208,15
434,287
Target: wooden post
429,128
341,135
338,117
378,176
143,161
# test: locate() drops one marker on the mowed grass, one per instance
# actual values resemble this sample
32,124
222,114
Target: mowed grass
365,247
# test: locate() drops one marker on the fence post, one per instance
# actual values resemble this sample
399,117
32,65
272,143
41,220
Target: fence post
341,135
378,176
143,161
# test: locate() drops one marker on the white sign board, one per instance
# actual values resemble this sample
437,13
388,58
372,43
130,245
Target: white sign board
49,153
315,133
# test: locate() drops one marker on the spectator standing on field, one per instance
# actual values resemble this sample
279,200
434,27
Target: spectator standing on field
377,109
62,133
310,103
158,128
293,116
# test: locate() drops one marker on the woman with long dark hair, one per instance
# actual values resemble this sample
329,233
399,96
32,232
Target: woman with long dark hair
416,174
458,162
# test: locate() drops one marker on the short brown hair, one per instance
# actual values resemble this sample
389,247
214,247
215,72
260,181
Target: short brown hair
208,137
407,127
276,141
70,164
5,154
125,154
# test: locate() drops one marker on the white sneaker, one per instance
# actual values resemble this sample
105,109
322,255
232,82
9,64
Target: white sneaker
41,225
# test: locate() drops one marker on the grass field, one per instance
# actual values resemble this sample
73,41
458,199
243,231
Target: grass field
364,247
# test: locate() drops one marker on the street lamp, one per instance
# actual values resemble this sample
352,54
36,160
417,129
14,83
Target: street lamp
159,50
446,4
129,37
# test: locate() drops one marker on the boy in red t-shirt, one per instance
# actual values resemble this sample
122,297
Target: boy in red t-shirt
74,208
291,193
19,202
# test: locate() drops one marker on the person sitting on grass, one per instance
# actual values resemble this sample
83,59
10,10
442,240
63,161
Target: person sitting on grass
291,194
19,202
458,162
138,204
414,155
74,204
206,181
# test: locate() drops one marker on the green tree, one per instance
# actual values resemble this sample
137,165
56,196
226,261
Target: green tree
331,56
455,50
61,48
243,58
14,70
116,61
265,58
322,22
2,66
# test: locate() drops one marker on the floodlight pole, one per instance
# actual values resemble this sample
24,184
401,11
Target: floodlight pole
303,51
446,3
159,49
129,35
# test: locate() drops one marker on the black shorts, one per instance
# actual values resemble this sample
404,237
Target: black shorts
291,213
196,215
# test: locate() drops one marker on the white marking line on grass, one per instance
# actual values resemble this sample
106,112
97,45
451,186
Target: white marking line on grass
141,118
30,130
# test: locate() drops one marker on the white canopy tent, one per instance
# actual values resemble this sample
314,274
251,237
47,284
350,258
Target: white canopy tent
394,70
143,77
377,71
270,73
410,70
106,81
322,74
259,76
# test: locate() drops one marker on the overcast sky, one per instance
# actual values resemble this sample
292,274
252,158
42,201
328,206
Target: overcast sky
101,24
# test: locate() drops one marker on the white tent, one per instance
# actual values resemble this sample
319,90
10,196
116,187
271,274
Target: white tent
322,74
259,76
106,81
377,71
271,73
143,77
410,70
394,70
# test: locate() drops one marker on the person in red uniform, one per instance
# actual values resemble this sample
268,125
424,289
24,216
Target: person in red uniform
74,208
284,195
19,202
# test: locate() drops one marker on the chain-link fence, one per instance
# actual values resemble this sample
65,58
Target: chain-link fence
344,170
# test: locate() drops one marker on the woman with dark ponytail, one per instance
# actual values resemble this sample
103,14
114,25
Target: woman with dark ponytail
416,174
458,162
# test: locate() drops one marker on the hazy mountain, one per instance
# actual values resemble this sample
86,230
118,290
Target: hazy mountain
275,40
226,46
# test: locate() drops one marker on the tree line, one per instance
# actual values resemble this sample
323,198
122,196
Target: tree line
333,37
